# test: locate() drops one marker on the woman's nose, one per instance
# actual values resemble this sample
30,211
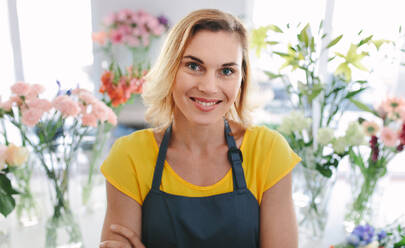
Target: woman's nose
208,83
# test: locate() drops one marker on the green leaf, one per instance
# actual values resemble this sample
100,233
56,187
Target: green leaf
282,54
403,50
354,93
7,202
274,28
361,81
361,31
320,27
272,42
403,64
365,41
272,75
363,107
335,41
312,45
304,35
400,243
331,58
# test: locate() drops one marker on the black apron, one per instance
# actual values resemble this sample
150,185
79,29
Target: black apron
224,220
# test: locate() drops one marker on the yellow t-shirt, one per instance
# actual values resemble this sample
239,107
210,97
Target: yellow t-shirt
129,167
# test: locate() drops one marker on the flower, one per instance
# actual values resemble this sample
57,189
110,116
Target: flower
3,156
325,135
393,107
389,137
370,127
20,88
16,156
354,134
89,120
66,105
30,117
35,90
339,145
100,37
295,122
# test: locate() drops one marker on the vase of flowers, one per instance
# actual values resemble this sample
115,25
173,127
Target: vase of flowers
386,139
319,101
134,32
54,130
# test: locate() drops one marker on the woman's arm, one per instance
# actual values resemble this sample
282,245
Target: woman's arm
123,211
278,224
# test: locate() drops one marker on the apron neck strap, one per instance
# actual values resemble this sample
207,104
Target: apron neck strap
234,157
157,177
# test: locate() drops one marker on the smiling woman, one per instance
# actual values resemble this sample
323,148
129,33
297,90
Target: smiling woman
203,177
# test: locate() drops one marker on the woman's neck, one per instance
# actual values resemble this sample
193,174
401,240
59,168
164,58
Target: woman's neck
197,138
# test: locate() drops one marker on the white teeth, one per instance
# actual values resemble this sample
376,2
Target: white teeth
205,104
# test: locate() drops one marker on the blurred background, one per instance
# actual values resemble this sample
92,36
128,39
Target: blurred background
51,43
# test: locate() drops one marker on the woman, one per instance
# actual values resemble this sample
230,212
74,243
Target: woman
204,177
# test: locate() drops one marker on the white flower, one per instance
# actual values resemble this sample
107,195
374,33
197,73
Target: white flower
324,135
294,122
339,145
354,134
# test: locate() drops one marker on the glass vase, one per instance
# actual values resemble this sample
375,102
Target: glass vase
62,228
366,190
311,195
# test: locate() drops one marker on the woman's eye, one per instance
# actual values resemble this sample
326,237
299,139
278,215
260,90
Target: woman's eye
227,71
193,66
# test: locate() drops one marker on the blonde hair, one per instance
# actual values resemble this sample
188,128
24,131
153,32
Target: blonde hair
157,93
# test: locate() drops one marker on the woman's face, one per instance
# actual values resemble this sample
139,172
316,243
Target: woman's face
209,77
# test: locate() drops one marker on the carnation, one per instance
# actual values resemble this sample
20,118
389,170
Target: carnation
354,134
325,135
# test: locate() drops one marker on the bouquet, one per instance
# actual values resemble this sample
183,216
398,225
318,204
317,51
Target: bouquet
386,139
134,31
54,130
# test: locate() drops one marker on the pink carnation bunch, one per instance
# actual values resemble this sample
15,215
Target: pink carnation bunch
131,28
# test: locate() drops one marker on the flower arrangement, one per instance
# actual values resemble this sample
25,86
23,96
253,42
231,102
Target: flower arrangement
11,156
366,236
54,131
386,139
131,28
320,100
135,31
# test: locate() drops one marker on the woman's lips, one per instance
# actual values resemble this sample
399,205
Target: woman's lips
204,104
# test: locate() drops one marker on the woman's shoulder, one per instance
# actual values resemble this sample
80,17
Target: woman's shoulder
140,139
263,135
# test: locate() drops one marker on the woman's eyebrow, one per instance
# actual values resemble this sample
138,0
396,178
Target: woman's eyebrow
201,62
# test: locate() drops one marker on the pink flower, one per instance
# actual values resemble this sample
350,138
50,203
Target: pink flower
16,156
83,109
35,90
391,106
112,117
87,98
66,105
100,111
20,88
132,41
370,128
116,36
109,20
389,137
99,37
40,104
31,117
89,120
7,105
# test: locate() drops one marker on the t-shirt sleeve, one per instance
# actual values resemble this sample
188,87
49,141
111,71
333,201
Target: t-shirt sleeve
119,170
282,159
